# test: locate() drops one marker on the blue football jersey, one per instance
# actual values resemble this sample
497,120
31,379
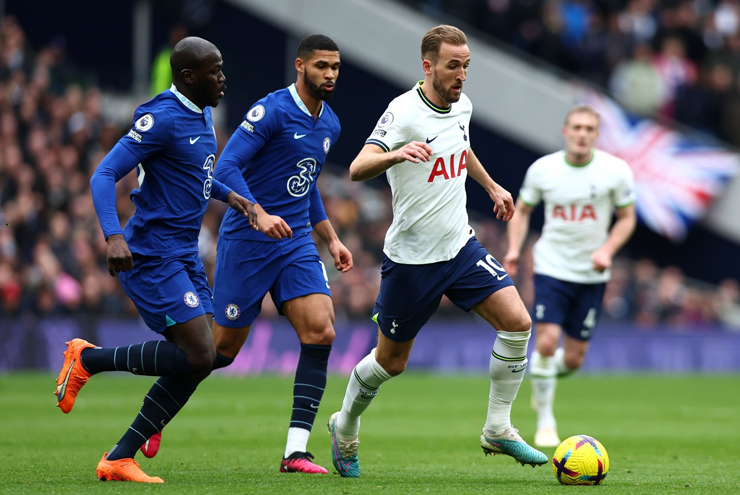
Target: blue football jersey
288,148
176,143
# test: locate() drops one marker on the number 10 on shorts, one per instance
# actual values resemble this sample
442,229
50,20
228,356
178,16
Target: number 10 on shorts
492,267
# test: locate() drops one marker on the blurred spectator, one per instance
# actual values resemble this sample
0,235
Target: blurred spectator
161,77
636,84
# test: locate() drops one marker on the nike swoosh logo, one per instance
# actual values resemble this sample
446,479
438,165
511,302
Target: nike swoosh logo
430,140
501,277
298,136
314,406
192,141
62,388
518,371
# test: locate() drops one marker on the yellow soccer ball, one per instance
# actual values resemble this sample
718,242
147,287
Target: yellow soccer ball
580,460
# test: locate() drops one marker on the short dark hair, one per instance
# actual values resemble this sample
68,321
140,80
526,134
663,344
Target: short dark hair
314,42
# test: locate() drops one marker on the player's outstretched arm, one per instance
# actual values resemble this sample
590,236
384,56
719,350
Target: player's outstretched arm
373,160
516,233
620,233
342,257
502,200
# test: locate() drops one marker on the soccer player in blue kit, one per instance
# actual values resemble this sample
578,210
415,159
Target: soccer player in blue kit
173,143
273,159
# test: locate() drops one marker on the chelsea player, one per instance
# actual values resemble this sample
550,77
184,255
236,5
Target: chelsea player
273,159
173,144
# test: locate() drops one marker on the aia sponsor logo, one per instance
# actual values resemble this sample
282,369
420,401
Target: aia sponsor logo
449,170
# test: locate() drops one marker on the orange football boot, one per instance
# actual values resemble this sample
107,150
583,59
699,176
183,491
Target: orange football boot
73,375
123,470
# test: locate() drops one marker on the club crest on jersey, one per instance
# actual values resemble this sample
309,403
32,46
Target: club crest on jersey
191,299
256,114
385,120
145,122
232,311
327,144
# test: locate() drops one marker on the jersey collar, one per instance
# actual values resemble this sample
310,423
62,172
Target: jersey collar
578,165
184,100
299,102
428,102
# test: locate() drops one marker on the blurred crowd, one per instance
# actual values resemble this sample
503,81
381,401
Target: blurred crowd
677,59
53,134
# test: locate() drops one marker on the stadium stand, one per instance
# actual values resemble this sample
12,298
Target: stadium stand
52,252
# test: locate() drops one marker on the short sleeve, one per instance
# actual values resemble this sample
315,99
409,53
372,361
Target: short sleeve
259,123
391,131
152,131
531,191
624,193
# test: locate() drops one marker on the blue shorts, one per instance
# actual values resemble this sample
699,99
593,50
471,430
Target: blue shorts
410,294
247,270
168,290
573,306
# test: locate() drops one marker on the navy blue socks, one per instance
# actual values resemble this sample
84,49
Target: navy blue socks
153,358
310,381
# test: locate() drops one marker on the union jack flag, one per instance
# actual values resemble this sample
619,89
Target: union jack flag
677,176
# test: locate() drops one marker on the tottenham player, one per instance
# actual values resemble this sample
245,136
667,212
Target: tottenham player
274,159
580,187
173,143
422,143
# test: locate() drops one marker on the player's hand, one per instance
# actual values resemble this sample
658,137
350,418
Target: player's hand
118,255
342,257
243,206
511,263
601,259
272,226
503,203
414,152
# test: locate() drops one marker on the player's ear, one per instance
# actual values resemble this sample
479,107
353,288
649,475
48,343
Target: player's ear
299,65
187,75
427,66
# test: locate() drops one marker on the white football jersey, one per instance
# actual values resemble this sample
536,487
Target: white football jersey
579,202
430,222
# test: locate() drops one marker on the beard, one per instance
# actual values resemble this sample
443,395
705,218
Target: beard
445,93
315,90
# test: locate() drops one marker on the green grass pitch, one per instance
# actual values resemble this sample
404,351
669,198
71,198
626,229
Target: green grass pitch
664,434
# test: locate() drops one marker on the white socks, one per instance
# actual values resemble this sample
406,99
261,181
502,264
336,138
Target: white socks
366,379
297,440
507,365
544,371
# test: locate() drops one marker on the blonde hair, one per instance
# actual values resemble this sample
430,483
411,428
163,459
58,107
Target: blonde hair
583,109
434,38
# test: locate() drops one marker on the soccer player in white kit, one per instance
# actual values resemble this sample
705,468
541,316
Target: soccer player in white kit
422,143
581,187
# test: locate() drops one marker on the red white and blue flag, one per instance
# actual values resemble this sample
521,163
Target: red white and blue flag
677,175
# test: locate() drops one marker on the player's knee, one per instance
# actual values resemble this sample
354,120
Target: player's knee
573,361
202,362
521,323
546,345
319,335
